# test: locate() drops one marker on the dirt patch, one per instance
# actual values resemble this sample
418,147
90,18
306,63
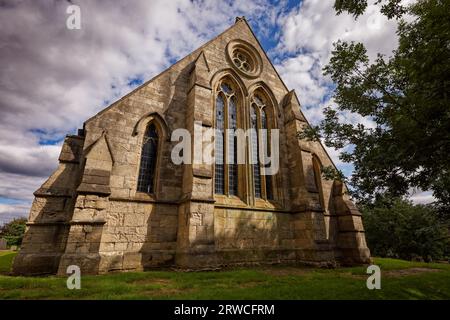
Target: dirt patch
394,273
241,284
407,272
251,284
168,292
164,282
166,289
290,271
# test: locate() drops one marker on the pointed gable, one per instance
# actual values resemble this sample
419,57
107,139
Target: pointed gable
213,49
200,71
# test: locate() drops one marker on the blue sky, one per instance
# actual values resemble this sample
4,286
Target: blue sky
53,78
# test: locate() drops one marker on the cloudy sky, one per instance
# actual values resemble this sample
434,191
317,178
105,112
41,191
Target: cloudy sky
53,78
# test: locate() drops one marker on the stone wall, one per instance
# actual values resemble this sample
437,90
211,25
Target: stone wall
145,234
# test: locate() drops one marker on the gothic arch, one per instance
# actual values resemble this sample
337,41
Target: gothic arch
142,123
231,74
261,85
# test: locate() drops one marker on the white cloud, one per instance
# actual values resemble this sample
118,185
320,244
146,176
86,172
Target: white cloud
315,26
9,212
23,159
19,186
422,197
307,37
303,73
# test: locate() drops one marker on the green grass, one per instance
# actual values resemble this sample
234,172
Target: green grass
6,259
400,280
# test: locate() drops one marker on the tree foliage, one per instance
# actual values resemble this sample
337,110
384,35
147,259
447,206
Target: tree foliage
407,98
14,231
390,8
397,228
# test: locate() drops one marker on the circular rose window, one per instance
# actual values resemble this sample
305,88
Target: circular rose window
244,58
242,61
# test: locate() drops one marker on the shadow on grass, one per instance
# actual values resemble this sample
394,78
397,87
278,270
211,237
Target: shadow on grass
402,280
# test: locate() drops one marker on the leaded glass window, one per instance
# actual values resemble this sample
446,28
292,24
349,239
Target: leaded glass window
255,153
259,119
242,61
147,167
226,168
219,149
225,87
232,152
266,137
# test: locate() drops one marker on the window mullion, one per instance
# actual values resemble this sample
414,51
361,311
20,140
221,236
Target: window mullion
225,147
269,150
260,163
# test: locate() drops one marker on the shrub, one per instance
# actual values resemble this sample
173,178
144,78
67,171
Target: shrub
403,230
13,231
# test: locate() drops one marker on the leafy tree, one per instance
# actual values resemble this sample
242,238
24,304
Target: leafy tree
391,8
405,95
397,228
13,231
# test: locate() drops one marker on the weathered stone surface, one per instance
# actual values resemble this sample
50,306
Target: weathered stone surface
71,149
3,244
90,212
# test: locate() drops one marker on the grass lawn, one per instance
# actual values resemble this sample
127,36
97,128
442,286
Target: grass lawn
399,280
6,259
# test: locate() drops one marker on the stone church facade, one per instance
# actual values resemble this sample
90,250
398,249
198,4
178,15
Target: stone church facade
117,201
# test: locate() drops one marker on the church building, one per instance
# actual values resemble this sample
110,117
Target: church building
118,201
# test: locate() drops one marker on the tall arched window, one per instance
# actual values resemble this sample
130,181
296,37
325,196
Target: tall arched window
260,119
255,149
146,180
226,176
219,149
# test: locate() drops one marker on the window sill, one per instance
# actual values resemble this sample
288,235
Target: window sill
229,200
144,196
236,202
266,204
